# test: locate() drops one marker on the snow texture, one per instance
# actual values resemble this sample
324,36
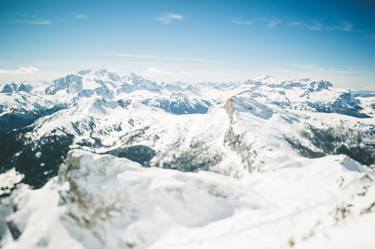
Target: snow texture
99,159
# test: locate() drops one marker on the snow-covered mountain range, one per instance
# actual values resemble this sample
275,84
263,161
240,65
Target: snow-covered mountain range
99,159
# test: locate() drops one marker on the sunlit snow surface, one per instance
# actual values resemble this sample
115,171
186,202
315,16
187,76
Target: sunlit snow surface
258,164
107,202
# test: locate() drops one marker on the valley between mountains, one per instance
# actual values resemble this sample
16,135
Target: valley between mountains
100,159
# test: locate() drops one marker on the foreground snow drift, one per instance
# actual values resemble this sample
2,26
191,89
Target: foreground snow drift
100,201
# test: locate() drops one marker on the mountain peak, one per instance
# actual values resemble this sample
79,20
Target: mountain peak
101,74
267,78
84,72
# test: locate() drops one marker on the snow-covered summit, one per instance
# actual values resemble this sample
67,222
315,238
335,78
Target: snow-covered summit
101,159
14,88
101,82
107,111
305,84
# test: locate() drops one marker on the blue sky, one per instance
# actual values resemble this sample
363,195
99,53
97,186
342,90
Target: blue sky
201,40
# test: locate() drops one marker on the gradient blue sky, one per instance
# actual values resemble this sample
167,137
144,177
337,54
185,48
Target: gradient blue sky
190,40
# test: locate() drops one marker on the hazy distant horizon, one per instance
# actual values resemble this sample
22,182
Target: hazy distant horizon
30,78
190,41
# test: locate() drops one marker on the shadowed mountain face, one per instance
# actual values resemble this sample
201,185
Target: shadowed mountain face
14,88
21,118
38,160
206,126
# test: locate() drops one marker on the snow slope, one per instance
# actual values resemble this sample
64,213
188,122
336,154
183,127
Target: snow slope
106,202
98,159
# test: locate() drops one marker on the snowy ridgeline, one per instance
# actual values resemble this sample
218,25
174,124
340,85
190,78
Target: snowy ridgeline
102,160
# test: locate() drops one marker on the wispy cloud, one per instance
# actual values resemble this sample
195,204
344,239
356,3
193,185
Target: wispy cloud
372,36
80,16
272,22
269,22
20,70
315,26
343,26
164,58
240,21
169,17
153,71
34,21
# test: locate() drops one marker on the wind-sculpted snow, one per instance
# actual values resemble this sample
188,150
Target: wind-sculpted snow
100,201
103,160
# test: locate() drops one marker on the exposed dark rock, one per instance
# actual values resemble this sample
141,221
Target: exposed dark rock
359,146
138,153
14,230
37,160
19,119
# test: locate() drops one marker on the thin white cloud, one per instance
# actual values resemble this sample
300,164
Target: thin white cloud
153,71
272,23
162,58
240,21
168,18
346,26
343,26
314,26
35,21
20,70
80,16
295,24
269,22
